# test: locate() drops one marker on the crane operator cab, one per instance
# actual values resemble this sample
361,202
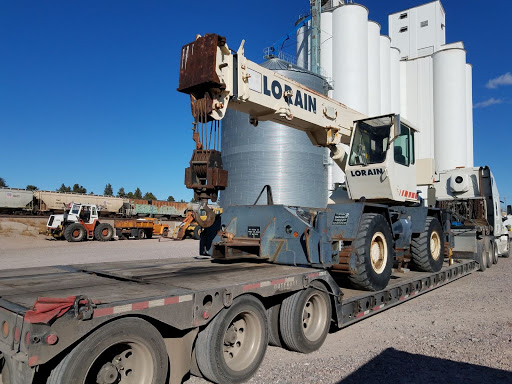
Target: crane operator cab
381,164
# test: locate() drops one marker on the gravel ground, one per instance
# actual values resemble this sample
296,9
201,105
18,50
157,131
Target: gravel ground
460,333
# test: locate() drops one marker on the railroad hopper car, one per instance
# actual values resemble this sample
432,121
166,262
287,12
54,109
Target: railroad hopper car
17,201
158,208
47,202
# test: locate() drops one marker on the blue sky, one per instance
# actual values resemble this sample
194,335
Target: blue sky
88,88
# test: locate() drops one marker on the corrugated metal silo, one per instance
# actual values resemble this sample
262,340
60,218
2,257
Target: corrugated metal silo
274,154
373,68
385,74
450,108
469,114
350,56
395,79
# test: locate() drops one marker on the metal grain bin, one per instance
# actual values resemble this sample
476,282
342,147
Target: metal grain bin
274,154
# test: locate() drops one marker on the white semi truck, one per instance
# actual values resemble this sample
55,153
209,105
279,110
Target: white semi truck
277,271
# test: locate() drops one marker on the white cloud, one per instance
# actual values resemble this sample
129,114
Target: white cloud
488,103
505,79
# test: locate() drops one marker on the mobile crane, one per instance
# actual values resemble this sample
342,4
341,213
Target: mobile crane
158,321
383,223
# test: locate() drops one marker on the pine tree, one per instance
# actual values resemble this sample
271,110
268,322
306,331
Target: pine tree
108,190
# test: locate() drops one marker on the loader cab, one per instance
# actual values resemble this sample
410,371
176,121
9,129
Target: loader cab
86,212
381,164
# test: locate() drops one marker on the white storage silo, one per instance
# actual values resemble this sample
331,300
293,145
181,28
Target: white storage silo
385,75
450,126
395,79
469,113
373,68
350,56
303,46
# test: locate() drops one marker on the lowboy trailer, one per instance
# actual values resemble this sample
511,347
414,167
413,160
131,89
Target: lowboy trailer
147,321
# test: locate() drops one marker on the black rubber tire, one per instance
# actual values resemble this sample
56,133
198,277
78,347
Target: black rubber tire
490,251
140,234
494,252
165,232
103,232
274,337
506,254
309,308
74,233
365,276
74,368
421,251
481,255
210,348
196,235
148,233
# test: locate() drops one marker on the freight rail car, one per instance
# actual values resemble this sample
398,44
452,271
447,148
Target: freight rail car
16,201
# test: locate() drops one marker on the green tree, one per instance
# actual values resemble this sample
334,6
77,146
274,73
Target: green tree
192,200
121,192
137,194
2,183
79,189
31,187
63,188
182,201
171,199
129,195
149,196
108,190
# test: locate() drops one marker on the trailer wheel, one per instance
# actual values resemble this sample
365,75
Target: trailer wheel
375,254
128,350
274,337
490,254
103,232
481,255
494,252
305,318
231,347
148,233
427,249
507,253
74,232
140,234
196,235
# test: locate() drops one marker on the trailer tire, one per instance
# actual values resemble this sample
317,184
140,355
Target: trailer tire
74,233
494,252
274,337
196,235
427,248
131,342
104,232
148,233
305,319
140,234
506,254
481,255
373,238
490,253
232,346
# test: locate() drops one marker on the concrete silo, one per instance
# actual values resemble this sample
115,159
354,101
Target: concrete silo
373,68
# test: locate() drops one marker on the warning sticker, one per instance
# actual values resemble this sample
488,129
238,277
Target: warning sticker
253,232
340,219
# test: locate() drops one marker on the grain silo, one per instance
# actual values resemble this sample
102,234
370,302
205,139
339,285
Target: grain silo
395,79
450,108
469,114
273,154
385,75
373,68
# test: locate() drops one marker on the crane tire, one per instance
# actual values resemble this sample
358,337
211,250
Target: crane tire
74,233
374,253
132,343
103,232
427,248
232,346
305,319
494,252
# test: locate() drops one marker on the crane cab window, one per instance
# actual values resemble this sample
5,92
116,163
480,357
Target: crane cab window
94,211
403,146
370,142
